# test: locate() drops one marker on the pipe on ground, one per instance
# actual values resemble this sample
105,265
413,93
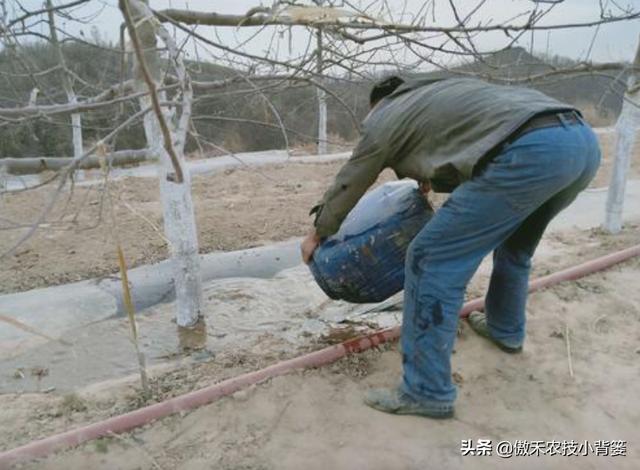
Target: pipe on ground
191,400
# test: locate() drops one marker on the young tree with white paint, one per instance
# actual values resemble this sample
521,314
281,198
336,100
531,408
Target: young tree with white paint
626,132
167,140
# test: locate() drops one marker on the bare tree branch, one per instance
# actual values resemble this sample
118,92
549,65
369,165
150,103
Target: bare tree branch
153,92
216,19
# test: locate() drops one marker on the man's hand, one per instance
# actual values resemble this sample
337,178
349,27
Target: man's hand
425,187
309,245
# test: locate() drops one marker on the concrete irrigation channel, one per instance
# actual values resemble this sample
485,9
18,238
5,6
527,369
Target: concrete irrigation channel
54,309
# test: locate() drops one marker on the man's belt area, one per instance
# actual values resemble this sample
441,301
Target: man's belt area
540,121
545,120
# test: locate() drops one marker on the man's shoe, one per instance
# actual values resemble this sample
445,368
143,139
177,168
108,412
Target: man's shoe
478,323
395,401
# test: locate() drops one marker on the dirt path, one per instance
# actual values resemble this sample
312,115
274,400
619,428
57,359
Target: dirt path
315,419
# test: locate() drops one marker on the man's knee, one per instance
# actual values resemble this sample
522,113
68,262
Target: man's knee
518,256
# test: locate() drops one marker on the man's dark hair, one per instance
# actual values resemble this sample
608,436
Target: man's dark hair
384,88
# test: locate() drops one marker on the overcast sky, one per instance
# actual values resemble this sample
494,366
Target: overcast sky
614,42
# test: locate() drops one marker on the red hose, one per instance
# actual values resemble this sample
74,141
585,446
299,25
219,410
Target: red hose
142,416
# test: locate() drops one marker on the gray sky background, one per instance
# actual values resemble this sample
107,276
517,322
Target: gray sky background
614,42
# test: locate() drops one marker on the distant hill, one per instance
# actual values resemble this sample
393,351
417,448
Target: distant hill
598,94
237,118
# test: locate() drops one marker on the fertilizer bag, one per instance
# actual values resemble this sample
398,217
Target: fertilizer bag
364,261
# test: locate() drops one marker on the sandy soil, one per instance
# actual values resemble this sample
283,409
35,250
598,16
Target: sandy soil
315,419
237,209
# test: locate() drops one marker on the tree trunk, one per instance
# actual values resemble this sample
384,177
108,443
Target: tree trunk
76,129
179,218
626,129
322,103
179,227
76,119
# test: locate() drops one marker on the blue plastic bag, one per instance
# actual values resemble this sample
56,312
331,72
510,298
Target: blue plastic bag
364,261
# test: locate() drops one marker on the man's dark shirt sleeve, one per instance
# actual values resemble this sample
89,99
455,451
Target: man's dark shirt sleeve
351,182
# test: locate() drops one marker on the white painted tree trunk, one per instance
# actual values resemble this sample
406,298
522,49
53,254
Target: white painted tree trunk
626,130
322,122
67,85
177,204
179,226
322,103
76,129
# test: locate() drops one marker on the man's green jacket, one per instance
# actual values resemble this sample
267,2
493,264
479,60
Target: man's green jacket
435,131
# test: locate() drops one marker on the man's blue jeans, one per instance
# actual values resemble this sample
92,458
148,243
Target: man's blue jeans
504,209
